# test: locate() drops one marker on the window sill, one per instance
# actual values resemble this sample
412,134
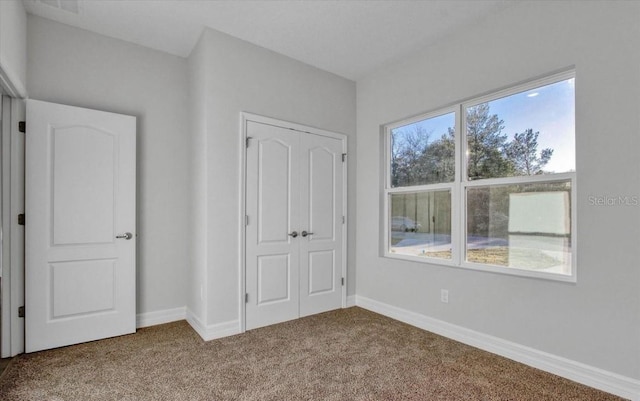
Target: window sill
509,271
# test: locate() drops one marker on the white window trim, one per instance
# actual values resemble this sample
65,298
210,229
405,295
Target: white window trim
461,183
453,187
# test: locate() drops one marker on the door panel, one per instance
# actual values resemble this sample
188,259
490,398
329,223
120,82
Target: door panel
321,181
97,295
322,272
274,190
321,198
273,210
85,178
274,272
80,195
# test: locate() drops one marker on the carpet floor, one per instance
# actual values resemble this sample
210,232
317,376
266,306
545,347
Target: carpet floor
349,354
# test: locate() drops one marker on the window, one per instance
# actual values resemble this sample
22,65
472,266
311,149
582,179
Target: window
422,164
487,184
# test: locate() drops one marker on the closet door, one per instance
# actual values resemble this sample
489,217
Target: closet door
294,205
272,240
321,214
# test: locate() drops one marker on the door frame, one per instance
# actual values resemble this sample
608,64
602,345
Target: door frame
12,183
245,117
13,146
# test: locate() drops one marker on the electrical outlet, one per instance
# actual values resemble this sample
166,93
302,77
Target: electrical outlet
444,296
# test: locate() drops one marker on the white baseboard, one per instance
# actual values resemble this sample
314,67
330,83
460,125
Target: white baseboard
159,317
213,331
588,375
351,301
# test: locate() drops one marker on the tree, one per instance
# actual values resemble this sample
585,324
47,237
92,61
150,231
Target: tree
439,159
418,160
415,160
523,153
407,148
486,144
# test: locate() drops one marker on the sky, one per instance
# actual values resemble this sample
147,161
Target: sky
549,110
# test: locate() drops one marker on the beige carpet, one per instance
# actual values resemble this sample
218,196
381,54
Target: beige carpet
347,354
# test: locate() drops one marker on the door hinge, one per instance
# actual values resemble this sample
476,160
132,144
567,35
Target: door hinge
246,219
344,157
247,141
21,219
21,311
343,219
343,281
22,126
246,298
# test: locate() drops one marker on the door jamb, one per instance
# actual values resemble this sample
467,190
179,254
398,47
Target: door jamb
245,117
12,179
12,182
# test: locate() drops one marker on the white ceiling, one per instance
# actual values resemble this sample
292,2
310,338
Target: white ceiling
350,38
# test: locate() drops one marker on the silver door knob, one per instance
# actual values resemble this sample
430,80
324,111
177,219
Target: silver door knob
304,233
293,234
126,236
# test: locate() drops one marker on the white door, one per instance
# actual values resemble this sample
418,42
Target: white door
294,231
321,200
80,225
273,211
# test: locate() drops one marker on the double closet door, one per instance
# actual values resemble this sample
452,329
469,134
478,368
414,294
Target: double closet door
294,233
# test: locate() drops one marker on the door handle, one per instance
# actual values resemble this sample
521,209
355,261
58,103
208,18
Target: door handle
304,233
126,236
293,234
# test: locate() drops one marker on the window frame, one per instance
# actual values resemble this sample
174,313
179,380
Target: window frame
458,188
451,186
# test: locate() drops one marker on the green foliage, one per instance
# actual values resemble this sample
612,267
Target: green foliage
408,148
486,144
439,158
417,159
523,153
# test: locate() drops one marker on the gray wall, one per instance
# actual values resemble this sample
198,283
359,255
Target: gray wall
595,321
13,38
76,67
197,278
238,77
